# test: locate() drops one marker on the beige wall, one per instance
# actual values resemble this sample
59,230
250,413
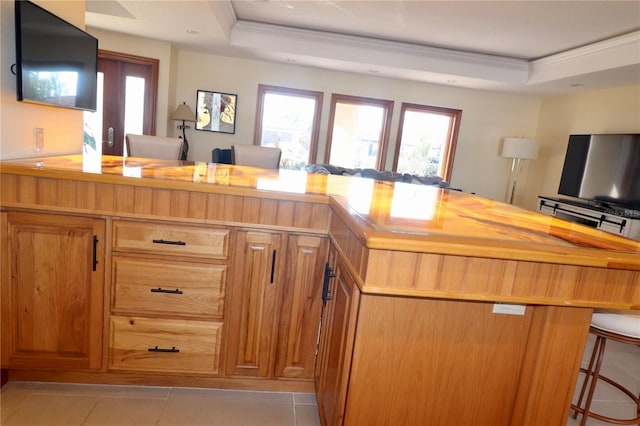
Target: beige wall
615,110
62,127
487,116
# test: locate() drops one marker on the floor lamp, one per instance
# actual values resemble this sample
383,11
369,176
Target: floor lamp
519,149
183,113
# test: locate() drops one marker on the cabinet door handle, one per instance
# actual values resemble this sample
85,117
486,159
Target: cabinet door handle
95,253
162,290
174,243
328,274
273,266
157,349
110,137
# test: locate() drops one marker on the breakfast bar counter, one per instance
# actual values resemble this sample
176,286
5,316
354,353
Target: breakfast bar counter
395,216
438,306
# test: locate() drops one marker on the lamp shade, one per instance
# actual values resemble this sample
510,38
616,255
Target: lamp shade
183,113
526,149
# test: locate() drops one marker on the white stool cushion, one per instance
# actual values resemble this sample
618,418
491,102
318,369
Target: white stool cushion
626,323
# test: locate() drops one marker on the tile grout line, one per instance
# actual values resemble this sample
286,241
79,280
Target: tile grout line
164,406
15,409
295,414
93,407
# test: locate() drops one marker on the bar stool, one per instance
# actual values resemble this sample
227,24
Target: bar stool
619,326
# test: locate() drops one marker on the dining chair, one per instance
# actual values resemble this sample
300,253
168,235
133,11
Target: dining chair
221,156
149,146
256,156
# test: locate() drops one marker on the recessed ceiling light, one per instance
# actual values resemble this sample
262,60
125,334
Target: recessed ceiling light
193,32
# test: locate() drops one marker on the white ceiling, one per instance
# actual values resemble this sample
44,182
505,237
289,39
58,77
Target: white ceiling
541,47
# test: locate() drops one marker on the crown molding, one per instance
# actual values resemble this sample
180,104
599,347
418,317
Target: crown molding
225,15
631,40
372,53
617,52
426,63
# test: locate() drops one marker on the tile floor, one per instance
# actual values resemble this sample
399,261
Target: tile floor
621,363
54,404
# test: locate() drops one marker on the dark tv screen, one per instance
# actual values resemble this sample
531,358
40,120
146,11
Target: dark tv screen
604,169
56,62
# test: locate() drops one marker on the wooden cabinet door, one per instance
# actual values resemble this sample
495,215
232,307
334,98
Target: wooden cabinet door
325,318
52,291
336,346
251,313
301,304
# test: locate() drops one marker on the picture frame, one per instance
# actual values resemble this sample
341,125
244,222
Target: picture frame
216,111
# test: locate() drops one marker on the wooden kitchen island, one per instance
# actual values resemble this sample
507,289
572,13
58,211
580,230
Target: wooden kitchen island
438,307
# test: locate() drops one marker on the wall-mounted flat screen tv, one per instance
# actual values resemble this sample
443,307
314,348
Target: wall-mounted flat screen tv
603,169
56,62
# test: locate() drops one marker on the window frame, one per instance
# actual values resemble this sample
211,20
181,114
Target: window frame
264,89
448,157
385,130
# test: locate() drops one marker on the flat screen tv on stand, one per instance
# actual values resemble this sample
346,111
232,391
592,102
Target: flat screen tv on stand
603,171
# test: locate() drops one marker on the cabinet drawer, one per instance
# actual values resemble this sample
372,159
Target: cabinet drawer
144,344
147,286
170,239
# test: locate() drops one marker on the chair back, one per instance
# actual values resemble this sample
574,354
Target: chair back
221,156
153,146
256,156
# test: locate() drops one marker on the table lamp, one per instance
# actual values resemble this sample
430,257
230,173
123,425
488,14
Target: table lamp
183,113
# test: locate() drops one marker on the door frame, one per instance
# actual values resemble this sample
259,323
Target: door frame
155,65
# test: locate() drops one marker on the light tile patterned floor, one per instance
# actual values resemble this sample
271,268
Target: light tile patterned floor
55,404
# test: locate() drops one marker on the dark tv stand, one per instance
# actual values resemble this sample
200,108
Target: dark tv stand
623,222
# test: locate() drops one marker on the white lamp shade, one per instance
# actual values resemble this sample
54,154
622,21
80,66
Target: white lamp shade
183,112
520,148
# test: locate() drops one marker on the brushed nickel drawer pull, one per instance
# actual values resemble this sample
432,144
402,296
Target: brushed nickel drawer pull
157,349
162,290
174,243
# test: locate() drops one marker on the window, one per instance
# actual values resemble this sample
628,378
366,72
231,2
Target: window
289,119
426,140
358,132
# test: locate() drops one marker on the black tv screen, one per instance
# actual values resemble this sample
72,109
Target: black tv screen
56,62
604,169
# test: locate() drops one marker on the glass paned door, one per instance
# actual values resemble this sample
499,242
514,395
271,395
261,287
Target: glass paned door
126,101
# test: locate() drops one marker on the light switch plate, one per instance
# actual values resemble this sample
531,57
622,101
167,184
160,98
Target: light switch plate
38,139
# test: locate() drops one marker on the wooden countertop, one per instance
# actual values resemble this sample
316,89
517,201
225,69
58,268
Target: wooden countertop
384,215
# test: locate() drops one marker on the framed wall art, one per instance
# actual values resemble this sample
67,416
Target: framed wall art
216,112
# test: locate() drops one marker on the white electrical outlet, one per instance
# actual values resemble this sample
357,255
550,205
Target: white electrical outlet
38,139
508,309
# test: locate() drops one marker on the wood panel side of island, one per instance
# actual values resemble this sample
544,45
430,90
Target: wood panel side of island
445,362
